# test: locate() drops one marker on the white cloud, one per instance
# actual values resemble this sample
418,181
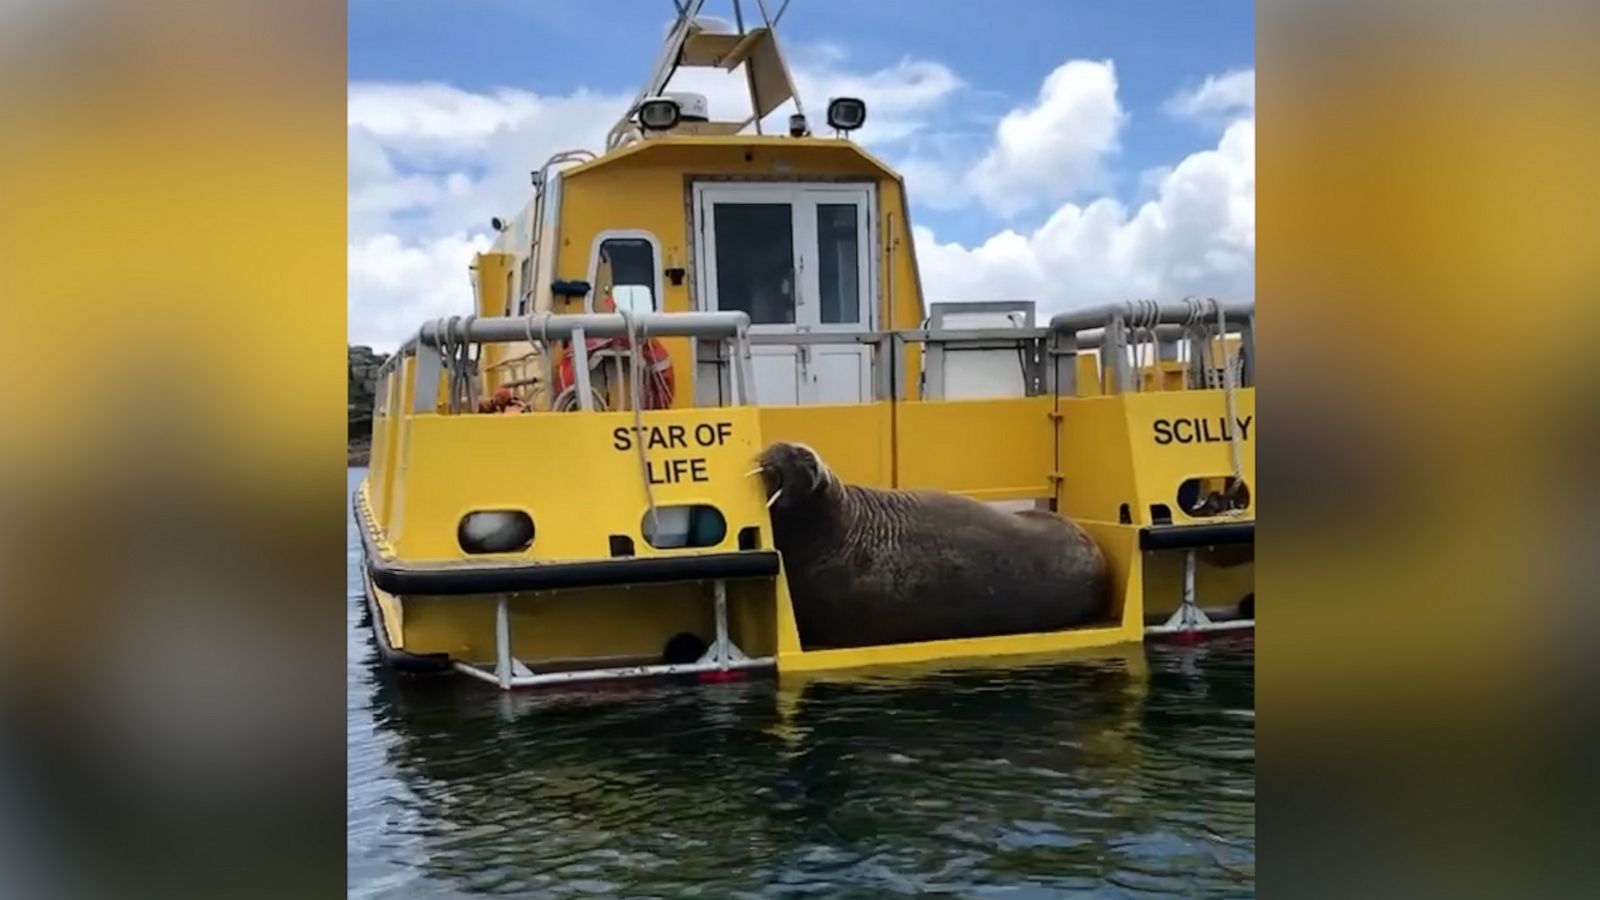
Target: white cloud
449,158
902,100
1220,97
430,163
428,166
1056,148
935,185
395,285
436,112
1197,236
1048,152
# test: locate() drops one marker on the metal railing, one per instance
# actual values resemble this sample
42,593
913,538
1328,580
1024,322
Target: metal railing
1122,329
1125,336
890,371
442,348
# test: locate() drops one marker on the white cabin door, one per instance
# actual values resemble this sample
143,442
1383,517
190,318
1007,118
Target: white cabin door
797,260
836,290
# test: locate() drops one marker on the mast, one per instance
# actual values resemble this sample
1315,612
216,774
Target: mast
690,44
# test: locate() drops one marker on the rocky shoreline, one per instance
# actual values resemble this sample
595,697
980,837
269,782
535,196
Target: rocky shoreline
364,365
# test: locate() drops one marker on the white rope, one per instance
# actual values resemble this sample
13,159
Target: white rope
1230,389
1142,325
1133,350
455,352
636,389
447,357
468,384
547,359
527,328
1156,373
1198,374
547,374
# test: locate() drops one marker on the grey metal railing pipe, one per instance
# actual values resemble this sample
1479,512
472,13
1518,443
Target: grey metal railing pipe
1109,328
1094,338
506,329
1168,313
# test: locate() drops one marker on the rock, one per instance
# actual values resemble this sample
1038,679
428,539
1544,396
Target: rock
363,390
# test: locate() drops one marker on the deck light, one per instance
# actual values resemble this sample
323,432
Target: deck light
846,113
659,114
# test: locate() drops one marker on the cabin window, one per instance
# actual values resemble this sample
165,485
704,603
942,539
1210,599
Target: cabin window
693,525
838,253
755,261
625,271
795,257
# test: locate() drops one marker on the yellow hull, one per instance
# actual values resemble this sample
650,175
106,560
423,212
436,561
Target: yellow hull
421,486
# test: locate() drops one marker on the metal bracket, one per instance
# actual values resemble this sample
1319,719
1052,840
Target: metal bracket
510,672
1189,618
722,650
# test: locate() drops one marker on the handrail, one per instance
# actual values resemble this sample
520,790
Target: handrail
1165,314
1090,338
911,335
511,329
1122,324
1097,328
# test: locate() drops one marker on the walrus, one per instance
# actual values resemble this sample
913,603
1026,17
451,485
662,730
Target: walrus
868,566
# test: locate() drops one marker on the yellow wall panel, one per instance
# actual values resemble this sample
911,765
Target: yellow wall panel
855,440
987,449
571,473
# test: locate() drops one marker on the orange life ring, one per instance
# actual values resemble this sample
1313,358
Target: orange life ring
659,384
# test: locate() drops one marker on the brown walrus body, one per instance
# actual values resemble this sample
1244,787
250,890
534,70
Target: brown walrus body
869,566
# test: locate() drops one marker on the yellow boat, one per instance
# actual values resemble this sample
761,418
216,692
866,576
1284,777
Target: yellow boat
559,487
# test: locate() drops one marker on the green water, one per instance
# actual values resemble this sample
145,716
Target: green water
1117,776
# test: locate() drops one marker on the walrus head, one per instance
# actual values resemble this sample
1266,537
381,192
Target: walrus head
792,474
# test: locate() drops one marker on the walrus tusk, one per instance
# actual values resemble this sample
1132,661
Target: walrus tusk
774,498
756,471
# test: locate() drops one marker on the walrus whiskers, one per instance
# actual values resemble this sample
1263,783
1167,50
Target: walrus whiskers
775,494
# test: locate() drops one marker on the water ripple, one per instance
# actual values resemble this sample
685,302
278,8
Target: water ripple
1125,776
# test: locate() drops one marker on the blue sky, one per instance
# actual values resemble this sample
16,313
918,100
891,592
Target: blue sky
1102,143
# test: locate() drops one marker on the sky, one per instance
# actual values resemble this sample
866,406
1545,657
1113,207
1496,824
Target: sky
1070,152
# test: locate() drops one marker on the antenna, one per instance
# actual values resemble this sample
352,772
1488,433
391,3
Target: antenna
690,42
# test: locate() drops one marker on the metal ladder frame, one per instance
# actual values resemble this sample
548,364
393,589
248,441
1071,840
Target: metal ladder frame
509,672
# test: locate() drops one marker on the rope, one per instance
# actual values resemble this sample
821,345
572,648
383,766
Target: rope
1198,375
469,384
547,359
527,329
1131,351
447,355
543,351
1230,389
455,354
1144,319
636,389
543,344
1158,376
